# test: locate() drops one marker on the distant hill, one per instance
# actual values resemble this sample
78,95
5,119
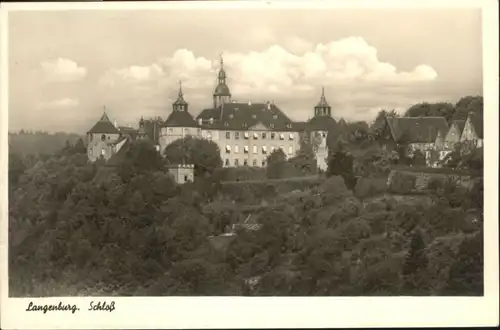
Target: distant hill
39,143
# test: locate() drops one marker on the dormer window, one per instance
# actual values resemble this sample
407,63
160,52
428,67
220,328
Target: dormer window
226,124
289,125
275,116
272,126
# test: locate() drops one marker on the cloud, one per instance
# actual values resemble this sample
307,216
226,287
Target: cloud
62,70
59,104
292,72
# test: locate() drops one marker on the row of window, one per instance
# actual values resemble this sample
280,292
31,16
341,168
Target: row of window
255,135
255,149
245,162
90,151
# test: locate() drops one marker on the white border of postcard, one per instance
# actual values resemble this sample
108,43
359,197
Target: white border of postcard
272,312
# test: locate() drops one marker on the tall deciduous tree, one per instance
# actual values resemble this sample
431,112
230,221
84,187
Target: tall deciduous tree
415,263
440,109
305,160
341,162
203,154
276,163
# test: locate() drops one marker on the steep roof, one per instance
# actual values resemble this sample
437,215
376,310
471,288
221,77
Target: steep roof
104,126
321,123
417,129
460,124
180,119
242,116
119,157
477,122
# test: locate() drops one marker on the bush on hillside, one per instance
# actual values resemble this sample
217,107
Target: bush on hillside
366,187
402,183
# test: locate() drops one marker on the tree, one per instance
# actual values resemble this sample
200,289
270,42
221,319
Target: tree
79,147
16,168
305,160
140,157
468,104
276,163
419,158
202,153
415,264
440,109
340,162
466,273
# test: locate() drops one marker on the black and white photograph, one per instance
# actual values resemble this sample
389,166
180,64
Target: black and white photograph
246,152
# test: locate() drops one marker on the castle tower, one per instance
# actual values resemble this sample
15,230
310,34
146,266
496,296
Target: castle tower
221,94
180,104
142,134
322,108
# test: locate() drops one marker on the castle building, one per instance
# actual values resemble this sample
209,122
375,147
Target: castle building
104,139
318,127
245,132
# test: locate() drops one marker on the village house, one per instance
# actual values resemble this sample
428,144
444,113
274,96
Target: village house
426,134
472,134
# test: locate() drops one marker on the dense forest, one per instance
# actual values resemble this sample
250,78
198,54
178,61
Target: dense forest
345,232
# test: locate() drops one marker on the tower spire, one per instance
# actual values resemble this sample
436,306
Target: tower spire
180,104
104,116
180,89
322,108
221,61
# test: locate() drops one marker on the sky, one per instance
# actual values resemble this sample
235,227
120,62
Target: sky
65,66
